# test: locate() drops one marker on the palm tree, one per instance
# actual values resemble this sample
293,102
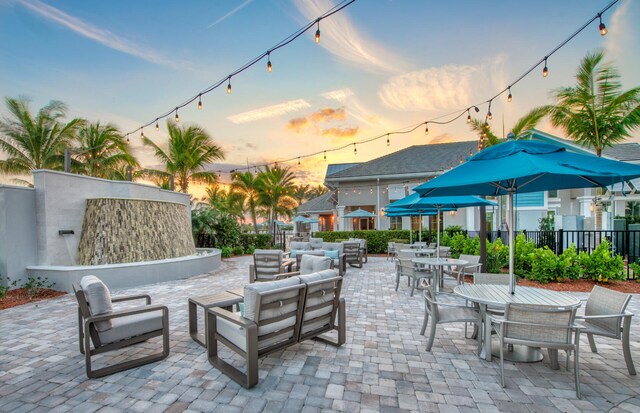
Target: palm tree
245,185
224,201
528,121
301,193
34,142
101,151
317,191
596,112
190,149
275,186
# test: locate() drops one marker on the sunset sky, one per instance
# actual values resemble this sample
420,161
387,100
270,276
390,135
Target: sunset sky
380,66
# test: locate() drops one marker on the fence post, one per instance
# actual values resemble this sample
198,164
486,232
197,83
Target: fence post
560,242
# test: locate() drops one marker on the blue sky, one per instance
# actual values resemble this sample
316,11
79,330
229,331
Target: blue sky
380,66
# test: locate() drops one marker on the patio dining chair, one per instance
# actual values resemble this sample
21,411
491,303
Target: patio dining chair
605,315
406,268
549,327
112,330
459,272
445,312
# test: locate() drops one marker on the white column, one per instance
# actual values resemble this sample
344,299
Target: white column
315,227
585,203
340,222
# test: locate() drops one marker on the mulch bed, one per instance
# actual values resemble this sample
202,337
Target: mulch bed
584,286
20,296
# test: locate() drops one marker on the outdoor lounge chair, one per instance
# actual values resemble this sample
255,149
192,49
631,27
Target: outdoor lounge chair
112,330
441,313
549,327
267,264
353,253
605,315
276,315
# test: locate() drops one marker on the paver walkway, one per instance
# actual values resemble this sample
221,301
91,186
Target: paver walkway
382,367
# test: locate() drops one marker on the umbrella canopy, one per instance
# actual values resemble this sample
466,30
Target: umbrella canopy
440,203
312,221
300,218
526,166
359,213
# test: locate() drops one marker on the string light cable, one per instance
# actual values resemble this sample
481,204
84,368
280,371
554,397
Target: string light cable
227,79
437,120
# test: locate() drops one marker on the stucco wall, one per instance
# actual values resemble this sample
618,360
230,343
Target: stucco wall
60,205
117,230
17,231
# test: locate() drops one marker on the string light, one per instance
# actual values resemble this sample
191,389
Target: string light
426,128
468,116
128,139
269,67
355,150
298,161
489,115
318,33
177,117
200,102
229,86
602,27
325,155
141,133
545,71
157,126
510,97
388,141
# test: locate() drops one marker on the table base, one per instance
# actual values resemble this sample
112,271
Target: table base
519,354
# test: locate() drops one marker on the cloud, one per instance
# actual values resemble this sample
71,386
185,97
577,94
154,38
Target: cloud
231,13
297,124
251,146
341,38
443,138
102,36
340,95
340,132
445,87
269,111
328,114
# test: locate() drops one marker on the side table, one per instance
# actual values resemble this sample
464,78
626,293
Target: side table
224,299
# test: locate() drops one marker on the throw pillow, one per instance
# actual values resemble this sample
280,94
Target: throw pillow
334,255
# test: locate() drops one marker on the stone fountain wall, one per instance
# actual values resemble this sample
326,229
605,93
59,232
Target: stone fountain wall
118,230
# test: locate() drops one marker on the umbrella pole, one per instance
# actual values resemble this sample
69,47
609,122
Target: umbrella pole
420,229
512,278
438,232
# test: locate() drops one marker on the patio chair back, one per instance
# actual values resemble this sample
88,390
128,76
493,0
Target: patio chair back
315,243
321,303
540,324
352,253
267,263
603,301
444,251
314,263
488,278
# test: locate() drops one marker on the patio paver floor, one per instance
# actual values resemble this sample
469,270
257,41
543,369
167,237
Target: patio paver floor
382,367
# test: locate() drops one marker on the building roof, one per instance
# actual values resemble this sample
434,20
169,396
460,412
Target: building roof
624,152
324,203
339,167
415,159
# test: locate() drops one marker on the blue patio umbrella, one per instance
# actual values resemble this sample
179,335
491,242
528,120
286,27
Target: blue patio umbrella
439,203
300,218
526,166
404,212
359,213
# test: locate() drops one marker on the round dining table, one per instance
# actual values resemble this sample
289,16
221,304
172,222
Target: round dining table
423,252
497,296
439,263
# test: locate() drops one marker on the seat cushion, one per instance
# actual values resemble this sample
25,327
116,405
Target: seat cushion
315,319
316,243
99,299
333,246
251,293
131,326
237,335
311,263
302,246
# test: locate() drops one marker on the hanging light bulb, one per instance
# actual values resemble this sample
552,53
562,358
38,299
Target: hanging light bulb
157,126
468,116
355,150
510,97
199,102
229,85
141,133
177,117
298,160
489,115
269,67
128,139
545,71
426,128
388,141
602,27
318,33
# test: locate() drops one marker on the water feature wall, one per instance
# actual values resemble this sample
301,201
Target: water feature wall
118,230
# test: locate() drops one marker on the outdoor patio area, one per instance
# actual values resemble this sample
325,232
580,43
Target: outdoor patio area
382,367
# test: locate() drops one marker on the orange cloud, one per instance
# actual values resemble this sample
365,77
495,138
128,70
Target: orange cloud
328,115
340,132
297,124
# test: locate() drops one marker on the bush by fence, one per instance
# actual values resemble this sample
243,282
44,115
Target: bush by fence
377,241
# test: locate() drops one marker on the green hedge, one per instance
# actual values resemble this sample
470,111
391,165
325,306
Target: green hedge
257,241
377,241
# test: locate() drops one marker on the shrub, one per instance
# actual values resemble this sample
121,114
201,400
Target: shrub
4,289
457,244
377,241
238,250
471,246
250,249
212,228
259,241
497,256
569,264
544,266
225,252
522,255
35,285
452,230
600,265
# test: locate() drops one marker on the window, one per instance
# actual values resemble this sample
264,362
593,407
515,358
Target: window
553,193
395,222
415,223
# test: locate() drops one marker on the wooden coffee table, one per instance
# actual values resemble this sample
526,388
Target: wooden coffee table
224,300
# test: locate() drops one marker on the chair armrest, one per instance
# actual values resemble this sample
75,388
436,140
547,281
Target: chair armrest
124,313
231,317
476,266
132,297
604,316
284,275
520,323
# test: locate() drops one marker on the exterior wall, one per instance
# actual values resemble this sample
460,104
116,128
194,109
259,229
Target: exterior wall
60,205
17,231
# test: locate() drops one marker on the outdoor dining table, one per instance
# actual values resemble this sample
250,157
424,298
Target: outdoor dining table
439,263
424,252
497,296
